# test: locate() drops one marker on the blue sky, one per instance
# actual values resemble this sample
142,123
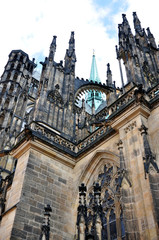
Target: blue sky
29,25
113,8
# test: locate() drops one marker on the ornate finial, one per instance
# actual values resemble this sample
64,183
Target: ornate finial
108,68
120,144
82,188
53,41
72,40
124,16
137,24
97,189
93,52
52,49
117,51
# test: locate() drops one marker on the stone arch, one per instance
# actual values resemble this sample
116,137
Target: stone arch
103,169
98,159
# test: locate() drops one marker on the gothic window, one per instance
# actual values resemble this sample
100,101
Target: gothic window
21,59
15,56
8,76
6,104
103,218
12,66
28,67
4,89
19,112
112,225
11,89
15,76
31,69
1,119
18,67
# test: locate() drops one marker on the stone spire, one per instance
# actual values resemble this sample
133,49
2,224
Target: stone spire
120,67
125,24
109,75
93,98
151,38
70,57
139,53
137,24
71,44
94,72
52,49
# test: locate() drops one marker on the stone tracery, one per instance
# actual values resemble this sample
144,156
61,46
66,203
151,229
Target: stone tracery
103,219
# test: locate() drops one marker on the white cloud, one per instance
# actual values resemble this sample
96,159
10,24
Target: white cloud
30,25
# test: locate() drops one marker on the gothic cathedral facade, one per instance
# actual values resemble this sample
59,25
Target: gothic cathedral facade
71,174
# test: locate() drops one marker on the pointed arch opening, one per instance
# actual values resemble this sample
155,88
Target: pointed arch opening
103,219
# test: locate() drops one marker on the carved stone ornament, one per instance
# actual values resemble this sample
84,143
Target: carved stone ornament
147,73
149,158
54,96
123,172
130,127
100,208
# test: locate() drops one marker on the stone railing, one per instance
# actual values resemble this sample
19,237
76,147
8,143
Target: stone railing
102,114
153,92
53,137
123,100
92,138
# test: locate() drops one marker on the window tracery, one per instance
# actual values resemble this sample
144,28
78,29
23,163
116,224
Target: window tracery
103,219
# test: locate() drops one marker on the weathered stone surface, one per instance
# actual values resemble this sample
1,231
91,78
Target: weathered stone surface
57,152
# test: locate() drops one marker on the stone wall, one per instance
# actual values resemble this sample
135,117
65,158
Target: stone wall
46,182
47,176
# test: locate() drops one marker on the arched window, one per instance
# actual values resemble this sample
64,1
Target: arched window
11,89
4,89
6,104
21,59
31,69
8,76
1,119
103,206
28,67
112,225
15,56
15,76
18,67
12,66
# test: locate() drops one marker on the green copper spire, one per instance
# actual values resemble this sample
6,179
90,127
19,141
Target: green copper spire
94,72
93,95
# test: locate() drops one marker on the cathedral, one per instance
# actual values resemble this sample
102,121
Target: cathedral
73,164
